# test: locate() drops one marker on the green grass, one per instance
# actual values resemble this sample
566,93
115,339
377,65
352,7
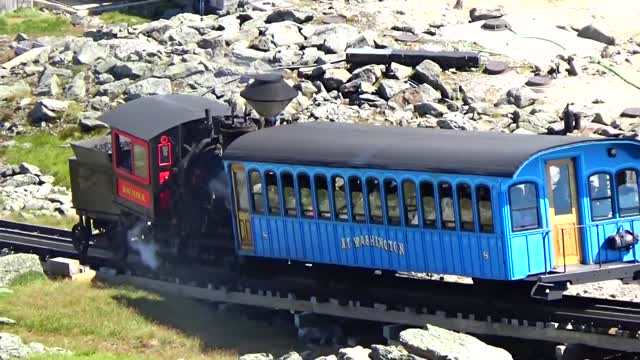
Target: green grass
97,321
49,152
63,222
46,152
34,23
117,17
28,278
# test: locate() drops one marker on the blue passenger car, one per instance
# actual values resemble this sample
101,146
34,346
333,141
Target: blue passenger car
485,205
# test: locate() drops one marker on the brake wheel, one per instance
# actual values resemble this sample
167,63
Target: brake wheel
80,237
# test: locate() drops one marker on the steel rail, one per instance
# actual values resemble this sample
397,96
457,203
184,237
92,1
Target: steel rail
454,306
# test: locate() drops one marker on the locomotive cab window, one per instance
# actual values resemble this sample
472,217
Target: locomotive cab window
601,196
273,193
375,203
256,192
627,188
132,156
523,199
392,201
322,196
290,206
304,192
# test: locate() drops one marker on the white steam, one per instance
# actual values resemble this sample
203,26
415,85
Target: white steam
145,245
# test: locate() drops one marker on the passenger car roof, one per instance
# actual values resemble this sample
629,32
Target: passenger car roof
390,147
146,117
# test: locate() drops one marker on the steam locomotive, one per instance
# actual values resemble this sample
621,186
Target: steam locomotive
185,173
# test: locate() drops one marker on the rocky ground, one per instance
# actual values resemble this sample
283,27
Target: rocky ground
52,80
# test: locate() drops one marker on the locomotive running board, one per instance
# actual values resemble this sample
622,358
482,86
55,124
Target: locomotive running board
551,286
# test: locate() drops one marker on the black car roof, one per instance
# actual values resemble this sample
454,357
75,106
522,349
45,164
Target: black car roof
398,148
147,117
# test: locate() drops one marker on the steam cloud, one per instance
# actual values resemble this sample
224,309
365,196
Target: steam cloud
145,246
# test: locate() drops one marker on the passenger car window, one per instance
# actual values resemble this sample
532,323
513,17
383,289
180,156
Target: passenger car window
523,199
627,188
290,205
375,203
410,203
485,211
447,212
256,192
428,204
357,199
392,201
601,196
273,196
322,195
465,207
339,198
240,187
304,191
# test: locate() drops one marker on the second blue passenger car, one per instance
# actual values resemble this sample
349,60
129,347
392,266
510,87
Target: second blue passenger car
485,205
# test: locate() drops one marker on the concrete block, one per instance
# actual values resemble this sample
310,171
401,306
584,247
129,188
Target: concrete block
63,267
85,275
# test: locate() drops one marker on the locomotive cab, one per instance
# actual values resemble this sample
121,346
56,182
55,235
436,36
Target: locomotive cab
165,172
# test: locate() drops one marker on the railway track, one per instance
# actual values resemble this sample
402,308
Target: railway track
399,302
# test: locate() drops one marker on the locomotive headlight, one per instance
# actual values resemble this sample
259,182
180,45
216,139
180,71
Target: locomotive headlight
612,152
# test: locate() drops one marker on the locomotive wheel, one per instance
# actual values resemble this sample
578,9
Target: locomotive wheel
80,237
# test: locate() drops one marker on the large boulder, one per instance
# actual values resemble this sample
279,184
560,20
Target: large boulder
436,343
12,266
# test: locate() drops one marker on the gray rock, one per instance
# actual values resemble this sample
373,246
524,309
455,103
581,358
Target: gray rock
297,16
47,179
77,88
415,95
368,73
332,38
90,53
261,356
354,353
430,109
89,121
11,347
182,35
49,85
113,89
399,71
330,357
101,103
285,33
40,113
263,43
521,97
106,65
212,40
438,343
102,79
533,123
380,352
428,72
12,266
596,33
246,54
181,70
365,40
334,78
310,56
290,356
6,321
133,71
26,169
286,56
390,87
17,89
479,14
455,121
147,87
6,170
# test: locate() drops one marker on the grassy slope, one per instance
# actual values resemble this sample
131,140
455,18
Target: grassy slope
33,23
99,322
